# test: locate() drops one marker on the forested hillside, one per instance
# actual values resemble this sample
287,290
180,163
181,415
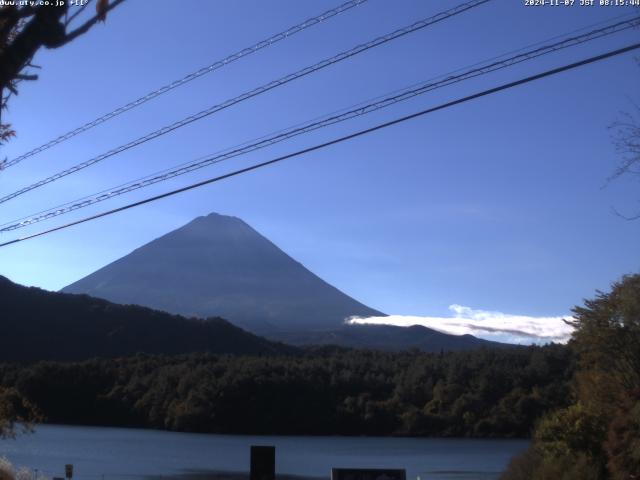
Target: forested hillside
40,325
484,393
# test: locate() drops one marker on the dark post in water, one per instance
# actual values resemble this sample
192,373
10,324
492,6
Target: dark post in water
263,462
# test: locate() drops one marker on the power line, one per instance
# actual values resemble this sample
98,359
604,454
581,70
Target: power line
252,93
187,78
361,109
335,141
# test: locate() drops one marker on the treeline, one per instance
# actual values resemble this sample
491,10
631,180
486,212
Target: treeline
597,437
482,393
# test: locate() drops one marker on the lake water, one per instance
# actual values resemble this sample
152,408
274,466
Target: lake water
130,454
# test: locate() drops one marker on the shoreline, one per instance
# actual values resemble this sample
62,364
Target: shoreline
268,435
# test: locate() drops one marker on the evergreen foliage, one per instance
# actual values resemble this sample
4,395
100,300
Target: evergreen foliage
482,393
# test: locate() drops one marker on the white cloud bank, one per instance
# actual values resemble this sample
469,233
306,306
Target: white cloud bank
498,326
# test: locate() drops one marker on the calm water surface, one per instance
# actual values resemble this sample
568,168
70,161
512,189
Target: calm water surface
130,454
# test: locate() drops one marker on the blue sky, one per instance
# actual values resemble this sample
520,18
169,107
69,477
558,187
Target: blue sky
500,205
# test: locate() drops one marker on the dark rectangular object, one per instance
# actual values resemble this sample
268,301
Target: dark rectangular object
263,462
368,474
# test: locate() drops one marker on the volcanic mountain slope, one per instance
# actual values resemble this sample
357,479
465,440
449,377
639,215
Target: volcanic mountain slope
219,266
39,325
388,338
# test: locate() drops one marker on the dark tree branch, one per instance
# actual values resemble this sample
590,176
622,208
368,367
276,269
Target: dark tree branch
78,12
45,28
626,140
8,22
625,136
22,76
24,31
11,11
86,26
625,217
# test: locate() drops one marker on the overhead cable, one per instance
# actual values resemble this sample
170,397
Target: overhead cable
186,79
362,109
252,93
335,141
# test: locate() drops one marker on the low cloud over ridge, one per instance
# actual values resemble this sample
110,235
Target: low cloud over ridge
498,326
